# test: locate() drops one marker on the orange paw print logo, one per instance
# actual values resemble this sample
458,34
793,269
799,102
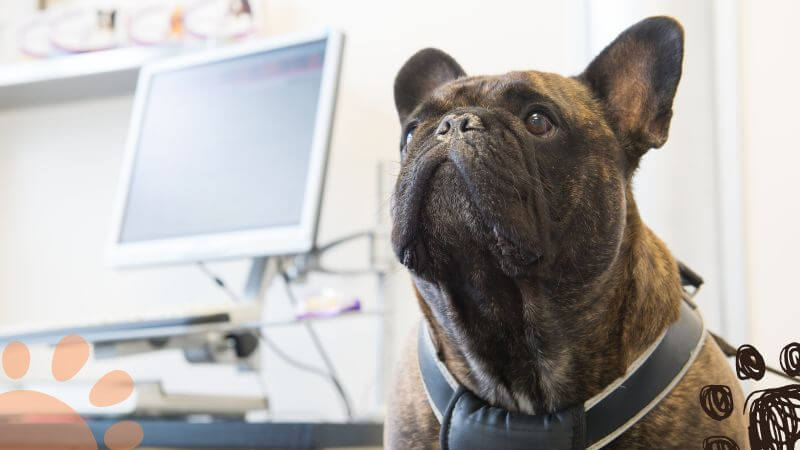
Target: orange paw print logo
21,407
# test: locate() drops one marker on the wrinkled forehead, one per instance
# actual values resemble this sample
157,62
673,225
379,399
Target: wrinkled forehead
516,91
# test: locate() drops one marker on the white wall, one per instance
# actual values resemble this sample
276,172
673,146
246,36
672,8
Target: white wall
769,67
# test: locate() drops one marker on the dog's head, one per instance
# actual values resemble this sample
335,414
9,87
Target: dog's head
524,176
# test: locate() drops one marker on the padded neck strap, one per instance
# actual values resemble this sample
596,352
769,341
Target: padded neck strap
467,422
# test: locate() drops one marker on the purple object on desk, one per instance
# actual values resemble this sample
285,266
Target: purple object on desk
354,306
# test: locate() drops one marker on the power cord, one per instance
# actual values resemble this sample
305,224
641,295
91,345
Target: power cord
291,361
218,281
330,374
312,333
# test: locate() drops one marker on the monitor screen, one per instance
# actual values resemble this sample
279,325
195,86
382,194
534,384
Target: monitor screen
225,146
226,152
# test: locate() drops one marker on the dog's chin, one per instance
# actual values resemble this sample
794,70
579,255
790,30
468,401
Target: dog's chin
452,233
517,260
432,258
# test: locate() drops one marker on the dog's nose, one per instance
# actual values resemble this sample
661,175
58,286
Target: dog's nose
456,124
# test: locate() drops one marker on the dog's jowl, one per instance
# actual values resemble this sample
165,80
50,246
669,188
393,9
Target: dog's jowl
514,213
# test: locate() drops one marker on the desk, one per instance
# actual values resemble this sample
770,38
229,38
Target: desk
160,433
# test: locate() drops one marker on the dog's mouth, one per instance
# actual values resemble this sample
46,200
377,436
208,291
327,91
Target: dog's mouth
445,212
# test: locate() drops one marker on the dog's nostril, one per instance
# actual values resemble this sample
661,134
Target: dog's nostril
444,127
459,124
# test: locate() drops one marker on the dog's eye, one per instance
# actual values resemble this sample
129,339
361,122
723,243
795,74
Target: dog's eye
539,124
408,138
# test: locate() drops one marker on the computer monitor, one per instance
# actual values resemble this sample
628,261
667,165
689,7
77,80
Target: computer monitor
227,152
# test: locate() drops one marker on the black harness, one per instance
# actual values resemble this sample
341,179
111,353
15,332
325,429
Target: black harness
467,422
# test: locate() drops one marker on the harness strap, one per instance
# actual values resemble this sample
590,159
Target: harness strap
469,422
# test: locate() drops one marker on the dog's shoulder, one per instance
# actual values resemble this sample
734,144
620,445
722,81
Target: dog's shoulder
410,423
679,420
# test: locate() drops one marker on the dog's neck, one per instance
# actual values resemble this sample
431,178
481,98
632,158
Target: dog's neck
544,352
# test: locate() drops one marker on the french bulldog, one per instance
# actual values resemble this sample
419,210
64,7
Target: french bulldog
514,213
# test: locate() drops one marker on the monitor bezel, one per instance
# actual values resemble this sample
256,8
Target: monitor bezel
270,241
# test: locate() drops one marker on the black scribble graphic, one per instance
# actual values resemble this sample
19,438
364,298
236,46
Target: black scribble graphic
749,363
790,359
775,418
719,443
717,401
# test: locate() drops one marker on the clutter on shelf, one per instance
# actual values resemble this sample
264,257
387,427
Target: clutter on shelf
68,27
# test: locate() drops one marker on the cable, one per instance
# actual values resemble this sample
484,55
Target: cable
289,360
316,266
330,374
334,378
351,237
218,281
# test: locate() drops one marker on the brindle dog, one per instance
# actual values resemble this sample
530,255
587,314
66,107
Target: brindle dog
514,213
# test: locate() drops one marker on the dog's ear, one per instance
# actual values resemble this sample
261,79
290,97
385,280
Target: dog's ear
636,76
420,75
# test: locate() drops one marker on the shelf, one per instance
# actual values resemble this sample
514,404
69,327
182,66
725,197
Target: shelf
75,77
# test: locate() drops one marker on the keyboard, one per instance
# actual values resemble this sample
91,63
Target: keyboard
154,324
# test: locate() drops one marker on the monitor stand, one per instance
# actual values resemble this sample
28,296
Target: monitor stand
258,279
